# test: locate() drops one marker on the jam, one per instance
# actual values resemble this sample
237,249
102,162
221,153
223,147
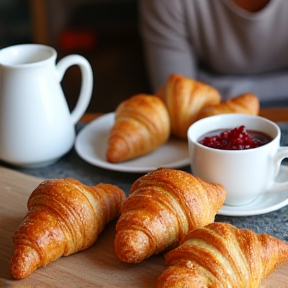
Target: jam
236,139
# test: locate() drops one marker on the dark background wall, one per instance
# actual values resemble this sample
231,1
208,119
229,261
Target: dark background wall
105,32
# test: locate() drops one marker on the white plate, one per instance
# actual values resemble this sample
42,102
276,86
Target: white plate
267,202
91,145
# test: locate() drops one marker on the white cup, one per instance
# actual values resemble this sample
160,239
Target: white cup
245,174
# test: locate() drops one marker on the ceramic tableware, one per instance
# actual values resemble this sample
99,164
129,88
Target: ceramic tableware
36,126
91,146
245,174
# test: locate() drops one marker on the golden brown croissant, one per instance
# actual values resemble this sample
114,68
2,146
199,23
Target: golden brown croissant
244,104
162,207
184,98
64,216
141,125
222,256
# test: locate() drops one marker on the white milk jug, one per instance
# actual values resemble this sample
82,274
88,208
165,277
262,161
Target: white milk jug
36,126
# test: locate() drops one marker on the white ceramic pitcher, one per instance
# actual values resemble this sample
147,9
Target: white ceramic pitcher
36,126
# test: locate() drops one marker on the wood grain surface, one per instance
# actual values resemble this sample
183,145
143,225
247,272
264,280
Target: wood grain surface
273,114
97,266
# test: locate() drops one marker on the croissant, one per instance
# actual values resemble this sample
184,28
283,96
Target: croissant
162,207
222,256
244,104
184,98
64,216
141,125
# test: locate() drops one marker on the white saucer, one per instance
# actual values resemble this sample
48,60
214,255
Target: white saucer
267,202
91,145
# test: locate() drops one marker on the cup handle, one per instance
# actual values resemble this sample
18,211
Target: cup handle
281,153
86,83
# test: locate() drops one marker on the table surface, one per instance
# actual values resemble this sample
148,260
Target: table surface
71,165
274,114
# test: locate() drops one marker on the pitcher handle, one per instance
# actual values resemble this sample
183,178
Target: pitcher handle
86,82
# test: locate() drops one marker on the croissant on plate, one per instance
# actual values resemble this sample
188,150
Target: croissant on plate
64,216
222,256
162,207
184,98
247,103
141,125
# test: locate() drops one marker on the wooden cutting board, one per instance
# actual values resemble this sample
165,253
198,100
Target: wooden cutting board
97,266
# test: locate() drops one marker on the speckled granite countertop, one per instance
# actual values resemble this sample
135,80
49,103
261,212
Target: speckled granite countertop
71,165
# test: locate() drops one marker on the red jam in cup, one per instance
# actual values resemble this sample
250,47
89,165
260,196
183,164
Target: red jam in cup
236,139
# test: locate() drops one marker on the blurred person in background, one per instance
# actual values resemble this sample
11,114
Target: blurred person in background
236,46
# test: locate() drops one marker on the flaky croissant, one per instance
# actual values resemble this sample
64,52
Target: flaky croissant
162,207
64,216
142,124
247,103
222,256
184,98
